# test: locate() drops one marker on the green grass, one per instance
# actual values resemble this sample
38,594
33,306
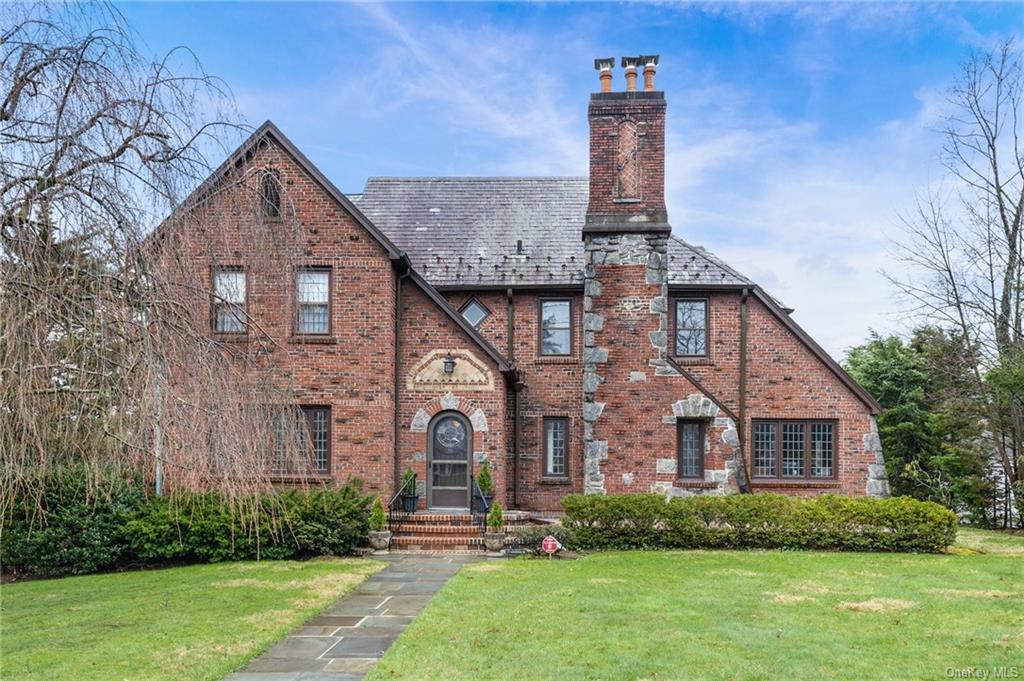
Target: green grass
196,622
724,615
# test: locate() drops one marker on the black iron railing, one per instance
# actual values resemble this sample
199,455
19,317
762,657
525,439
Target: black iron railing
396,510
480,507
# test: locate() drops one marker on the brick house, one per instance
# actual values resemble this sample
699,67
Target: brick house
553,326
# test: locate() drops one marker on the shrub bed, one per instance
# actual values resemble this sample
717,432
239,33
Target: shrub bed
766,521
204,527
69,530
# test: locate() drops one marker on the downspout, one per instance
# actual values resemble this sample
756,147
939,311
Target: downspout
510,352
406,270
741,426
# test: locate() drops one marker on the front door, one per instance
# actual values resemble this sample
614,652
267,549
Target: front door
450,438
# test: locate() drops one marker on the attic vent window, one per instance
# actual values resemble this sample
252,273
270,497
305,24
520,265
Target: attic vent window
475,312
270,194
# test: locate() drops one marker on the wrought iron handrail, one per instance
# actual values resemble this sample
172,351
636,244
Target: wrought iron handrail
479,518
396,513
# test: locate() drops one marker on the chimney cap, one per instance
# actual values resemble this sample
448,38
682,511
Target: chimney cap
631,61
649,59
604,63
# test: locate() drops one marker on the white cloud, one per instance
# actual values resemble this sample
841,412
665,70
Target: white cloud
809,219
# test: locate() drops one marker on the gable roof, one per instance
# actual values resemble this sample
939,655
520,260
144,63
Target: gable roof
462,232
398,257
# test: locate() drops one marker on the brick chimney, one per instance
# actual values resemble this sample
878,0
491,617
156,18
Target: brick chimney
627,152
625,278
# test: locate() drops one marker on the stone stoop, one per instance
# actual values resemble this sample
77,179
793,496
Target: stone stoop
447,532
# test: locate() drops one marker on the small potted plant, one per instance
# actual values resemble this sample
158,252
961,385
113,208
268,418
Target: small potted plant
486,484
494,538
409,495
380,538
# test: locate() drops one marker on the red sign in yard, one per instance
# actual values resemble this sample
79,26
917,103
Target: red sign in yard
550,544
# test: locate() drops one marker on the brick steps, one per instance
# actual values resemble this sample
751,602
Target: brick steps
446,532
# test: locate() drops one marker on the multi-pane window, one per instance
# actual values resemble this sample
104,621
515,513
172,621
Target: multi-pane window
555,326
229,301
822,449
690,448
318,426
475,312
313,295
307,431
556,436
764,450
691,326
794,449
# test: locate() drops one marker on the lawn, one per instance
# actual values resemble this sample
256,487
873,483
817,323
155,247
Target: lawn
725,615
197,622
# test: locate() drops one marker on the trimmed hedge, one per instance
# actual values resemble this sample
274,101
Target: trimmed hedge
763,521
204,527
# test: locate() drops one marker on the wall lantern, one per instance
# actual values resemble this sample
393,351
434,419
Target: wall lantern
449,364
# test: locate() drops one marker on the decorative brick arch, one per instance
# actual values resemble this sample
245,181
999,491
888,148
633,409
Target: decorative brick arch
451,402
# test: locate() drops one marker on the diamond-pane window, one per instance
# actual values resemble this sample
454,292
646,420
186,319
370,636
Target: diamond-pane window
475,312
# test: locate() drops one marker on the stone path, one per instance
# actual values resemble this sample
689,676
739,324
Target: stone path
346,640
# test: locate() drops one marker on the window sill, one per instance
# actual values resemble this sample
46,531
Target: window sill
553,480
231,337
694,483
312,477
313,340
627,200
799,482
556,359
690,360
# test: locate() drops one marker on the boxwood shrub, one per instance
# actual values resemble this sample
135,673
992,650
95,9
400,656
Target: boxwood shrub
767,521
205,527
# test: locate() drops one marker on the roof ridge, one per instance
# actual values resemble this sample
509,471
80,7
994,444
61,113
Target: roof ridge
477,178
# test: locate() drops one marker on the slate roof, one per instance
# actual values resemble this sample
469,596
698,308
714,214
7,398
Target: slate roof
463,231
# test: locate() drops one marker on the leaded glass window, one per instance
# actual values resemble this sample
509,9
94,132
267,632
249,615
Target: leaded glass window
821,450
313,294
555,446
691,328
555,327
764,449
794,449
690,444
229,301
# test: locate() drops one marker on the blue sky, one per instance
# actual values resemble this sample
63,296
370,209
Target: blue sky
797,134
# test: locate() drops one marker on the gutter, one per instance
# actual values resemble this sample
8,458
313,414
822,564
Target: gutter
405,267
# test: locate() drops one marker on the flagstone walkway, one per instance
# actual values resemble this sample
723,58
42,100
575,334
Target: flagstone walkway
347,639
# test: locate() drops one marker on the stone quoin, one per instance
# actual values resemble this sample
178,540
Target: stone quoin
557,328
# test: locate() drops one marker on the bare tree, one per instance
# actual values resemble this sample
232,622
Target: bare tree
964,251
105,355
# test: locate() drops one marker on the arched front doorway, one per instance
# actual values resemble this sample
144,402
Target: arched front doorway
449,446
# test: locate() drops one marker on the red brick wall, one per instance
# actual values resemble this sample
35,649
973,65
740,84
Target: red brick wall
606,113
352,369
426,328
552,388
